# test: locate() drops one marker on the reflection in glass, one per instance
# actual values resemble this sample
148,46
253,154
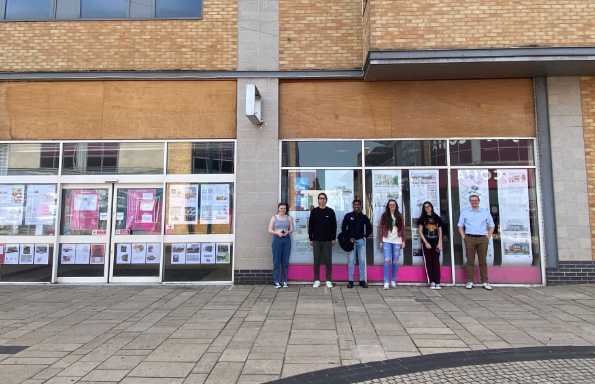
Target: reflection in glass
27,263
29,9
112,158
27,209
202,157
84,211
198,262
492,152
405,153
138,211
321,153
29,159
178,8
104,9
205,208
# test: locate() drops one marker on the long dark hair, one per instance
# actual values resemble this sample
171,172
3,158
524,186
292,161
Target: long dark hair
386,219
423,211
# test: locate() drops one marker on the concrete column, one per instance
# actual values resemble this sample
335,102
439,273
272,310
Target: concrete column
258,148
569,170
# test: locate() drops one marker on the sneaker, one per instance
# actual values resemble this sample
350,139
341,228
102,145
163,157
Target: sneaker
277,285
432,285
316,284
393,284
350,284
469,285
487,286
438,286
285,284
329,284
385,285
363,284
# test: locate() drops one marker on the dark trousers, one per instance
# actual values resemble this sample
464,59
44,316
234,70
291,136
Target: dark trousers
432,257
477,245
323,255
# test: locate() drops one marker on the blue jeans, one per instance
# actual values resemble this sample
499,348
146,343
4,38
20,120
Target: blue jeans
391,258
359,250
281,249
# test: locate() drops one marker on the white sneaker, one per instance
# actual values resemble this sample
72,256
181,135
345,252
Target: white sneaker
277,285
432,285
438,286
316,284
393,284
487,286
285,284
385,285
329,284
469,285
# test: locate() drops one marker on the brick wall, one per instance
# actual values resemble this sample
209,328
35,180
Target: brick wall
571,272
405,24
320,34
588,104
210,43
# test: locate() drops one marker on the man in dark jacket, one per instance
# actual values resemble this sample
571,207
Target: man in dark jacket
357,227
322,230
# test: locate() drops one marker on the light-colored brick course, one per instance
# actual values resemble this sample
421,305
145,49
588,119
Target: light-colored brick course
209,43
588,104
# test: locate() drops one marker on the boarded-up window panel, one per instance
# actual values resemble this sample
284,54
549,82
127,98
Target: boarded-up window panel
117,110
418,109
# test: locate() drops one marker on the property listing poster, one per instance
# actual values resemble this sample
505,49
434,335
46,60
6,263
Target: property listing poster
178,253
40,208
193,253
424,186
26,255
67,253
84,208
223,253
515,228
183,204
301,252
138,253
386,184
153,255
12,204
214,204
97,254
123,253
475,182
207,253
42,254
82,254
338,185
11,254
302,195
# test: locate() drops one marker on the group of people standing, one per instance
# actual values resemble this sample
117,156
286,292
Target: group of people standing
475,225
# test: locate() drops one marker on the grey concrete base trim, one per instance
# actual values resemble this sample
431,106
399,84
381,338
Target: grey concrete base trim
571,272
179,75
375,370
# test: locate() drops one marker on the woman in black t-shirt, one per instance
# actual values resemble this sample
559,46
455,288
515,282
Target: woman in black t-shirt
429,227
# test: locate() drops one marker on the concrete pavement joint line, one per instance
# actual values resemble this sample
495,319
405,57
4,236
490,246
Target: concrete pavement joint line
403,366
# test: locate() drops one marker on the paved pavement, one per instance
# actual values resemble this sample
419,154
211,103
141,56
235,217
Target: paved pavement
254,334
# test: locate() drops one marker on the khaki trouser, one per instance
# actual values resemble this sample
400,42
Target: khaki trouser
479,245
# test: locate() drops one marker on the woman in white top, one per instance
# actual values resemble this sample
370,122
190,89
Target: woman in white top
281,226
392,232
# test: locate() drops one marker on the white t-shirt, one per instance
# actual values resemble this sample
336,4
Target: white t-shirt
393,236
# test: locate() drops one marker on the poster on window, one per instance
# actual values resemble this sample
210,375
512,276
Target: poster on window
183,204
41,204
26,254
214,204
12,200
143,210
223,253
424,186
338,186
97,254
515,226
123,252
84,208
138,253
386,184
207,253
178,253
11,254
301,251
67,253
153,253
193,253
82,254
300,184
475,182
42,254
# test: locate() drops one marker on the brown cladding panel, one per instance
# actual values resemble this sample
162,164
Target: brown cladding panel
117,110
358,109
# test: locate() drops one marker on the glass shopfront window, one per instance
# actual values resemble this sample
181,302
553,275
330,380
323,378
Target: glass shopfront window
84,211
443,172
27,209
138,211
198,261
29,159
26,262
199,158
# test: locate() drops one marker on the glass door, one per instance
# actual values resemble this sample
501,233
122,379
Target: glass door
136,243
84,233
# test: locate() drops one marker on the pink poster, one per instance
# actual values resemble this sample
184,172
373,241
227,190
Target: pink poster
84,208
143,210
